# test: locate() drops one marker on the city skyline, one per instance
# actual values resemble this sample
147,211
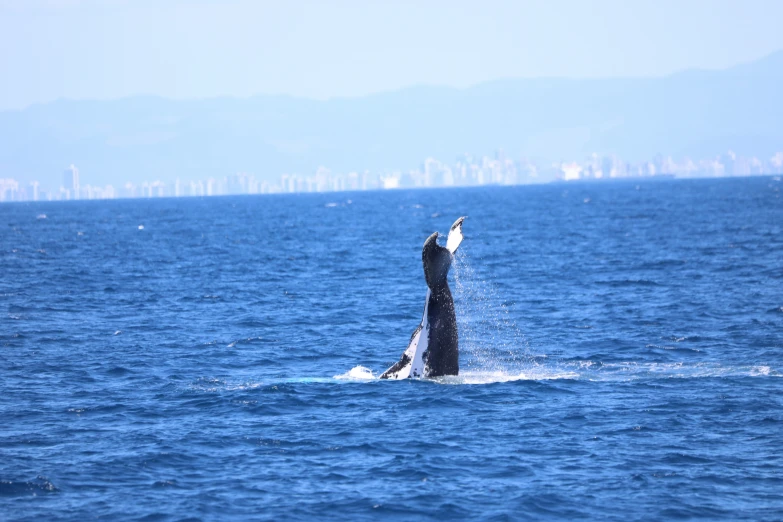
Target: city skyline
699,114
465,171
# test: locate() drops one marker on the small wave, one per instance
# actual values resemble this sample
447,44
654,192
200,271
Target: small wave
619,283
248,340
166,484
212,385
33,487
218,385
628,371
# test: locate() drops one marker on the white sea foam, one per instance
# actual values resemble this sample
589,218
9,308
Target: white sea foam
761,370
490,377
357,373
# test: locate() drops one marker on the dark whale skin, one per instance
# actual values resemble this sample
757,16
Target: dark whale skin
442,355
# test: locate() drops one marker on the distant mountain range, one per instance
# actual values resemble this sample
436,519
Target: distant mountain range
698,113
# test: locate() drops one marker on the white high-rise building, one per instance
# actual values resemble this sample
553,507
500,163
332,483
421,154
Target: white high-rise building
9,188
71,181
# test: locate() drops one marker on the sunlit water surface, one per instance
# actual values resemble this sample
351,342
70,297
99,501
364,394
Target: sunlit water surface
621,355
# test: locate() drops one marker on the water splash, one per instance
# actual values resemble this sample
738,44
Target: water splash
357,373
490,340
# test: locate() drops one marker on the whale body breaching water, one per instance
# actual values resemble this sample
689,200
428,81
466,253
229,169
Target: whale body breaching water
433,350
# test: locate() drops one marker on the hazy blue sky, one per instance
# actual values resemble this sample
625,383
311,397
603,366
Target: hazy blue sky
183,49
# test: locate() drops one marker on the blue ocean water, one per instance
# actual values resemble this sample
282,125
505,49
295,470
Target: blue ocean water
621,352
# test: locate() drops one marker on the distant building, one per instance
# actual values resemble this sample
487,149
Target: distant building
391,182
157,189
131,190
8,189
776,163
571,171
70,184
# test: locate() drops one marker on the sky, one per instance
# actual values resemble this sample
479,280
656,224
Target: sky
105,49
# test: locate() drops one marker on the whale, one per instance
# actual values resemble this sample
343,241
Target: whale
433,349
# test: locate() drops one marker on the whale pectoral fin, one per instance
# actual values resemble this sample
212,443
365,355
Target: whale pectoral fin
403,368
411,364
397,370
455,235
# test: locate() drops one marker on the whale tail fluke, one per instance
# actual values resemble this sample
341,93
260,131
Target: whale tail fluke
433,349
455,235
437,259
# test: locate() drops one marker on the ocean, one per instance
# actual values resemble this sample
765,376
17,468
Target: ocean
621,349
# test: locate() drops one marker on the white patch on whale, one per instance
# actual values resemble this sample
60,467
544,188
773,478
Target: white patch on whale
455,235
414,354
